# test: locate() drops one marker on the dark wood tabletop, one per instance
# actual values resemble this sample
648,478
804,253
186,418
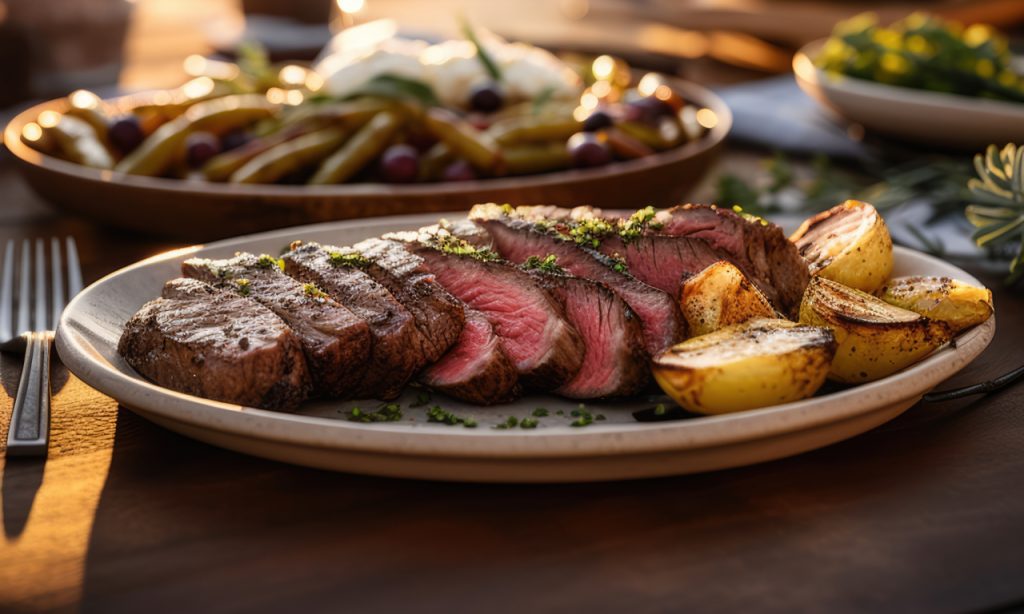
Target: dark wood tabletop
923,514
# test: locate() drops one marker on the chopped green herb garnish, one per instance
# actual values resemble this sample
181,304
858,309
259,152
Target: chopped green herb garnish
548,264
659,409
589,233
422,399
455,246
511,423
244,286
618,264
528,423
389,412
634,227
266,261
583,417
442,416
311,290
224,273
540,412
508,210
348,259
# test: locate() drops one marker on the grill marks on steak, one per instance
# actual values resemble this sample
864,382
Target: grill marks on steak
335,341
476,369
214,344
614,363
396,353
438,315
661,321
529,321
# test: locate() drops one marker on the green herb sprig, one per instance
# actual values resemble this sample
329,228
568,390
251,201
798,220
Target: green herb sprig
997,210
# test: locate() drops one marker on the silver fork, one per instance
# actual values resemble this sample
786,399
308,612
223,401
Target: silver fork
32,333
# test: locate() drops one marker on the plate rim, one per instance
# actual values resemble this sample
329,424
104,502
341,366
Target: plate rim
84,360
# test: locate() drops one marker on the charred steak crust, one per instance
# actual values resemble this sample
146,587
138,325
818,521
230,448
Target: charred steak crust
527,318
335,341
660,318
214,344
476,369
438,315
395,356
614,363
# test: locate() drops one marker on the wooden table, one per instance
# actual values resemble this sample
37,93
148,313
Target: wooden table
922,514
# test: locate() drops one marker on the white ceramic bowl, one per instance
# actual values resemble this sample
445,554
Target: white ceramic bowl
615,448
931,118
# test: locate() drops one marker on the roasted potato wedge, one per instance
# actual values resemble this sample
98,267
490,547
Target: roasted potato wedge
948,300
721,295
875,338
849,244
761,362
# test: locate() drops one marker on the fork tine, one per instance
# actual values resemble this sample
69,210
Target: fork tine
7,293
40,302
74,268
23,286
56,283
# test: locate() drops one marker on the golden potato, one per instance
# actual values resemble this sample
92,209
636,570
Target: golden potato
721,295
949,300
761,362
849,244
875,338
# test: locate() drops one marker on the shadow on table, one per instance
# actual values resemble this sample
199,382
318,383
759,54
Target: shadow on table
184,525
22,477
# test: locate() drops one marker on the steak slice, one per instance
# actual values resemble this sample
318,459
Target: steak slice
756,246
476,369
438,315
217,345
396,353
530,322
666,248
662,322
336,342
615,363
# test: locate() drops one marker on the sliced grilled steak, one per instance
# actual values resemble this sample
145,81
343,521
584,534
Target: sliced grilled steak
396,354
217,345
757,247
614,363
665,249
438,315
663,324
530,322
476,369
336,342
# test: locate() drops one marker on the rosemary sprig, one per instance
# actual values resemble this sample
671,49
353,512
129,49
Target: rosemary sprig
997,207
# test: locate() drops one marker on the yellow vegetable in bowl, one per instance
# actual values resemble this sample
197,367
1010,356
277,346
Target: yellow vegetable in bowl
721,295
875,338
949,300
761,362
849,243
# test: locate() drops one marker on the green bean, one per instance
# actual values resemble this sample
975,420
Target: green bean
77,141
534,129
536,158
290,156
156,154
365,145
223,165
434,161
478,148
353,113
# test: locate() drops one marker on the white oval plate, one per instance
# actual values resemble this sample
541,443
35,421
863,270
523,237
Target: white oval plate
933,118
615,448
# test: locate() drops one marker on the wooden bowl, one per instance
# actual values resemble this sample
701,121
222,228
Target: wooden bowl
200,211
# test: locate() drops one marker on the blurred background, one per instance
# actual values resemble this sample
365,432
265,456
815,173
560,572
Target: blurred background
60,45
